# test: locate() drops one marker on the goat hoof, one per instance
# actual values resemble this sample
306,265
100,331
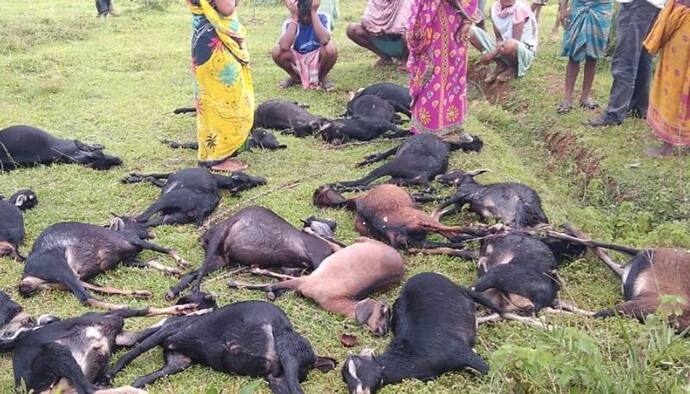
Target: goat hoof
233,285
271,296
170,295
142,294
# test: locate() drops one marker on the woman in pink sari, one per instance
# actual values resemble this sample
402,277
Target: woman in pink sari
437,40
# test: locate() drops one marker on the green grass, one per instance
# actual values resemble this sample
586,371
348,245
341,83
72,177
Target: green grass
116,82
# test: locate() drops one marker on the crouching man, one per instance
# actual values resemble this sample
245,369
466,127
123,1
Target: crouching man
382,30
305,50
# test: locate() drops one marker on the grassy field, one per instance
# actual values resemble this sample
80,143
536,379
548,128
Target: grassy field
116,82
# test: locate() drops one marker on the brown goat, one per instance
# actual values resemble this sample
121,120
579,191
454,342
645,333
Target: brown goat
344,278
650,275
387,213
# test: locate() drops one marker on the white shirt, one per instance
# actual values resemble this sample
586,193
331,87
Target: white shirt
656,3
521,12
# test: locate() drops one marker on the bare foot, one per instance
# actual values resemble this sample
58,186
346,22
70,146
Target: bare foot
506,75
383,62
665,150
230,165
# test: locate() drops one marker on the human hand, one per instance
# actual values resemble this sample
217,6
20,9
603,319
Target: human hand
315,5
291,6
465,31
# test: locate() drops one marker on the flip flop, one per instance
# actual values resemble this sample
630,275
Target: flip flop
564,108
287,83
589,104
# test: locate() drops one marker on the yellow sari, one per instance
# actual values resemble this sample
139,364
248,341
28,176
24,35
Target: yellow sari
224,89
669,101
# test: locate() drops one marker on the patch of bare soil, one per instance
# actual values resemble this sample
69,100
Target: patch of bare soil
495,92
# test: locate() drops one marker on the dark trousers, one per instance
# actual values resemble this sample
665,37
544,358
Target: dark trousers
103,7
632,64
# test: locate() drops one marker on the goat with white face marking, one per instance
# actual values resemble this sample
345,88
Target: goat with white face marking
251,338
49,355
386,213
69,254
434,330
344,278
650,275
514,204
12,222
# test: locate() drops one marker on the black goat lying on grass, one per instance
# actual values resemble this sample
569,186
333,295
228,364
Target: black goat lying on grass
256,236
189,195
434,330
26,146
288,117
417,161
361,128
397,95
251,338
514,204
69,254
53,355
259,138
12,222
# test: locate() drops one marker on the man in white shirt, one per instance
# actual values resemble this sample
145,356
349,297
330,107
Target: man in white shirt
632,65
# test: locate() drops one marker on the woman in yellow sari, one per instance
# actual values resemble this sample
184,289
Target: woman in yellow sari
669,102
223,83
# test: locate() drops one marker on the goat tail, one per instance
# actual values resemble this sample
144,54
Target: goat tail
481,299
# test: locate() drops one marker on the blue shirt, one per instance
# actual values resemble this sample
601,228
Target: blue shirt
306,40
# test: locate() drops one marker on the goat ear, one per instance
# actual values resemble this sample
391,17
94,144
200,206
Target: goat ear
478,172
325,364
367,353
363,310
21,199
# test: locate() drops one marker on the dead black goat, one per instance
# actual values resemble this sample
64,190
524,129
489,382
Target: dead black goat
189,195
69,254
26,146
361,128
256,236
250,338
259,139
376,107
434,330
515,204
12,222
53,355
397,95
288,117
417,160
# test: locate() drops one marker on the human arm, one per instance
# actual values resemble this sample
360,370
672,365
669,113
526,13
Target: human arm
290,33
322,33
518,28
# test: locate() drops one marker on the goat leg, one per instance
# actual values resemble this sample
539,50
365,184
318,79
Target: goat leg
530,321
103,305
271,274
233,284
141,294
603,256
154,265
448,251
560,305
182,263
175,310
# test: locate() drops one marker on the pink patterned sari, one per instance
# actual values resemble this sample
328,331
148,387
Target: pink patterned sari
438,64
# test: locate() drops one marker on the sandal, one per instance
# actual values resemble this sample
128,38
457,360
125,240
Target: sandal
564,107
589,104
287,83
